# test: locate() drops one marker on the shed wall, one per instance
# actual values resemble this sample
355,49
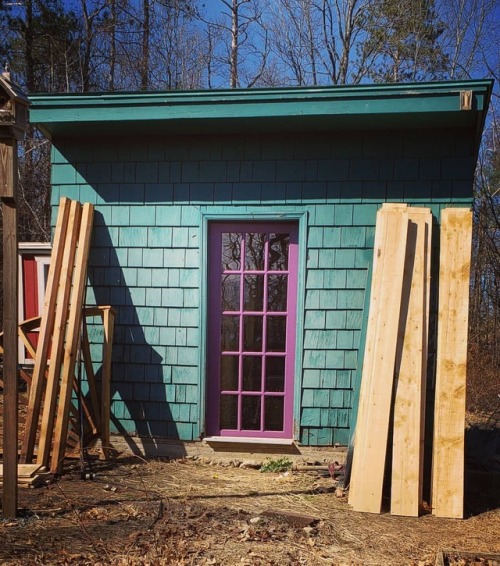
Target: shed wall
146,258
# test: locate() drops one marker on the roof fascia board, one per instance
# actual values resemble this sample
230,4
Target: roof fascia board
359,100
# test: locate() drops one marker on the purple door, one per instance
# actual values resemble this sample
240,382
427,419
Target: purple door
251,343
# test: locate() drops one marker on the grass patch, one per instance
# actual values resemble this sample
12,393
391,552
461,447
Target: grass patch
278,465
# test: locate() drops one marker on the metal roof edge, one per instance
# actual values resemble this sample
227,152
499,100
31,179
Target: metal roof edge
251,95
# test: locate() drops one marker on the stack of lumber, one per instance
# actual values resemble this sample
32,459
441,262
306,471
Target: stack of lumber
29,475
55,403
393,385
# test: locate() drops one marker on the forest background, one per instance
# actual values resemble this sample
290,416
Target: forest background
115,45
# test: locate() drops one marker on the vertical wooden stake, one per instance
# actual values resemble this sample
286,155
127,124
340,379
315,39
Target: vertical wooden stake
109,324
8,181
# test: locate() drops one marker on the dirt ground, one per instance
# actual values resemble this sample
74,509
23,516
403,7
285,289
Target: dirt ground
189,512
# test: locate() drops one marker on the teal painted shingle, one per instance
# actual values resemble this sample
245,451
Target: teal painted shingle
310,417
353,237
331,237
321,398
335,359
343,215
311,378
315,319
319,339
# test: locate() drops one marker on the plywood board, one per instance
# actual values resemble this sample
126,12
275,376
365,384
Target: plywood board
449,415
410,374
372,427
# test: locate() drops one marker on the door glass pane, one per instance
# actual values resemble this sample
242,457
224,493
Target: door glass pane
275,373
277,293
252,333
252,373
250,417
230,333
229,411
255,251
278,252
229,373
254,293
273,413
231,251
230,292
276,333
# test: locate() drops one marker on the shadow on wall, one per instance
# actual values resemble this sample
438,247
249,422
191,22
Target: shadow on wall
138,387
482,470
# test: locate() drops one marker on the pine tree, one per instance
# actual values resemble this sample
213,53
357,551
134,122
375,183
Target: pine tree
403,38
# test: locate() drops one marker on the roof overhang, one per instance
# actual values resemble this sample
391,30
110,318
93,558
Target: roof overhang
388,106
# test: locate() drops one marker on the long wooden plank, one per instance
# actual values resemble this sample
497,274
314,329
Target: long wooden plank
45,335
451,367
372,427
411,365
59,334
72,338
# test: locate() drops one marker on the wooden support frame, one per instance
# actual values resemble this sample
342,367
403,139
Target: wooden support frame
108,315
62,337
97,408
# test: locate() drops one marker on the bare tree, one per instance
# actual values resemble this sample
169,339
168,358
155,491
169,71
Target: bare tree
179,51
470,35
484,323
343,29
240,41
292,25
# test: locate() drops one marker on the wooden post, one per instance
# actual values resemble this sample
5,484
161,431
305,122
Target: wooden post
8,186
109,325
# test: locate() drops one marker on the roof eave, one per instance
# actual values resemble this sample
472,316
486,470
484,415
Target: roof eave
310,108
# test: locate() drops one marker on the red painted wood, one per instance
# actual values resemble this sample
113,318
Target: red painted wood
30,294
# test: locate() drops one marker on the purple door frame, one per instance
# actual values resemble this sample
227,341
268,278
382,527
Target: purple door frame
251,328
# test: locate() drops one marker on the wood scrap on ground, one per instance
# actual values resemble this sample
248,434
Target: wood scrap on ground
29,475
